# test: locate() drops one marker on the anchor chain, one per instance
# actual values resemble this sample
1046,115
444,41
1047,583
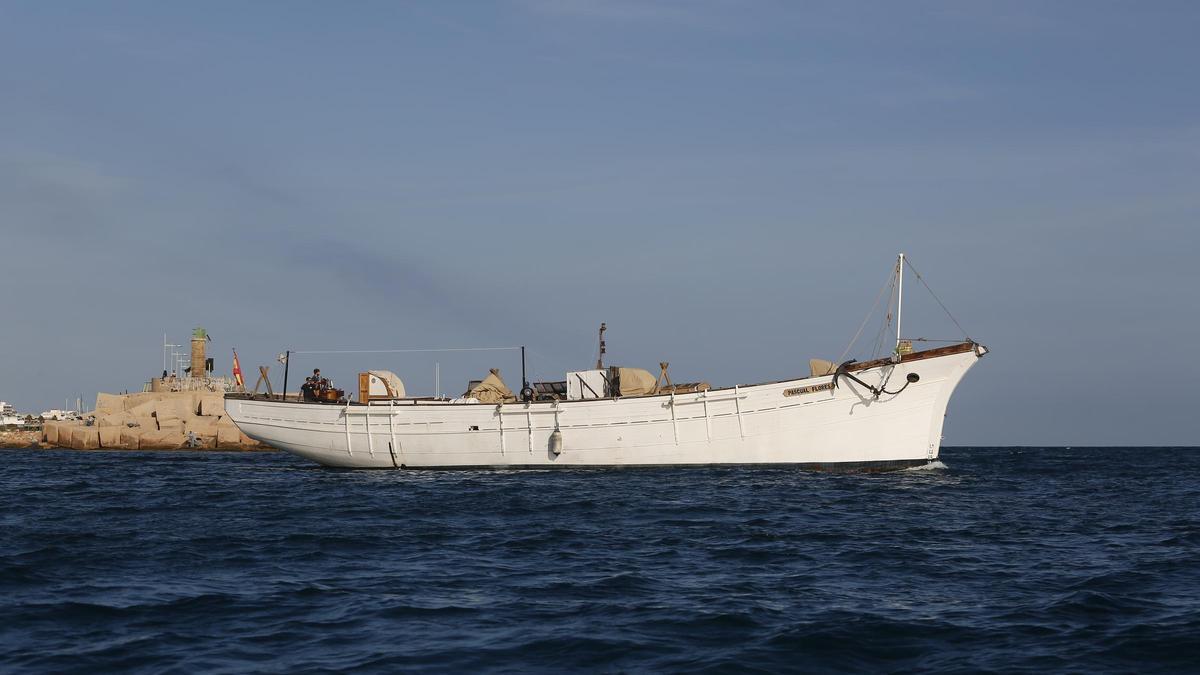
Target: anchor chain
875,391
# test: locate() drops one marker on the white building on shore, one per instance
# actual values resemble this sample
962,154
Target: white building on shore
9,416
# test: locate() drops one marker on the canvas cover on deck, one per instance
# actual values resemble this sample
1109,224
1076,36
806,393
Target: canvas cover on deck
637,382
391,382
492,390
818,367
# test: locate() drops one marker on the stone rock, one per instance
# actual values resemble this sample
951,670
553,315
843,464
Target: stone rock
192,401
174,407
143,409
228,436
212,405
161,440
85,438
110,437
117,419
131,439
202,426
138,400
109,403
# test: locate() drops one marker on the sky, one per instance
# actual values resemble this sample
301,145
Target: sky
726,184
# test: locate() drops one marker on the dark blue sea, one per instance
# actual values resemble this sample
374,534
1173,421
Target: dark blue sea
1032,559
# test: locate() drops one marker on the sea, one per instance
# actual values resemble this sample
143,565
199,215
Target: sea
990,560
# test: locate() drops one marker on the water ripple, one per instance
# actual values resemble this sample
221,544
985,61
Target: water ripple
997,559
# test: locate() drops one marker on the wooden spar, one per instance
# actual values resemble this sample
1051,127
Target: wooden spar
737,405
367,424
392,431
524,379
899,298
674,422
500,424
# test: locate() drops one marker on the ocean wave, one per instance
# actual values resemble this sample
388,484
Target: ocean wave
935,465
1035,560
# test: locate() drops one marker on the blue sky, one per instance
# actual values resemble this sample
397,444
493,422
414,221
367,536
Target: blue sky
725,183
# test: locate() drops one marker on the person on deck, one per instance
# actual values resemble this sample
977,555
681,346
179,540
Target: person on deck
315,380
314,385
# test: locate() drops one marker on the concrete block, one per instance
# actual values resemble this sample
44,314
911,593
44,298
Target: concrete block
171,410
131,438
109,403
227,436
116,419
110,437
202,426
143,409
85,438
212,405
189,403
161,440
50,433
133,401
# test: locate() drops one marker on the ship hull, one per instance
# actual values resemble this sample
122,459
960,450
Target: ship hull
806,422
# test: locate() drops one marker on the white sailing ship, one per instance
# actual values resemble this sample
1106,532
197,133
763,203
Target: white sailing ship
881,414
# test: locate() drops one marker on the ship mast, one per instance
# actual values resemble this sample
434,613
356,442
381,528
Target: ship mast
899,298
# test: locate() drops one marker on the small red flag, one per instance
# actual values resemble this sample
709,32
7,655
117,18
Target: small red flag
237,371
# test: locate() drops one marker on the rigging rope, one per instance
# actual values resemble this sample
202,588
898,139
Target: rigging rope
939,300
867,318
886,320
403,351
886,323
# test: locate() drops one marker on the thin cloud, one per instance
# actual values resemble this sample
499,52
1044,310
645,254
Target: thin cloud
64,195
695,13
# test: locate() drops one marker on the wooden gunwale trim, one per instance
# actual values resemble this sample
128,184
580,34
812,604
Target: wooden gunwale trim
915,356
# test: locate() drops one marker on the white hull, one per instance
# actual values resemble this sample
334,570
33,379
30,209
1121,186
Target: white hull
755,424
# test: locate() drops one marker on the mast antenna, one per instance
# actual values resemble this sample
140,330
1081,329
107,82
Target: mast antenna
600,356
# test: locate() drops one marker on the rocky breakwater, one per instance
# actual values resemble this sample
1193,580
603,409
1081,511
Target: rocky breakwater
152,421
19,439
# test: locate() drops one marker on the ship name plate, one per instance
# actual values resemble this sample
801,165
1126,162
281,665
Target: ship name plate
811,389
